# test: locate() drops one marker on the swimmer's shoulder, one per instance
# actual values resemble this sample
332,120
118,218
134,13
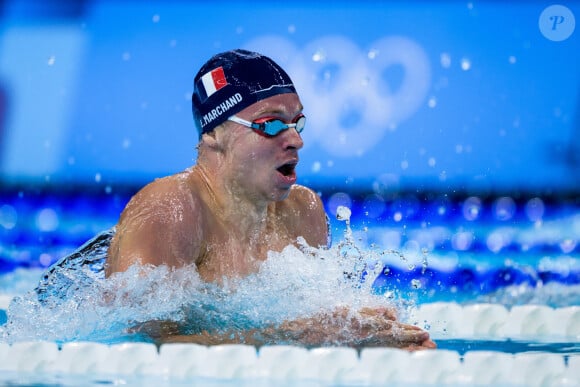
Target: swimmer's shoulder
168,198
303,212
301,197
160,225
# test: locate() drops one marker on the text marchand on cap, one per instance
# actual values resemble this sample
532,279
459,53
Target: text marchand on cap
220,109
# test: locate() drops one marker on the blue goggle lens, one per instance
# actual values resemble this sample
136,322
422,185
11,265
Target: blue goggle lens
274,126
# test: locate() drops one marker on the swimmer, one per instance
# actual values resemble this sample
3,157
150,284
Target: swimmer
239,201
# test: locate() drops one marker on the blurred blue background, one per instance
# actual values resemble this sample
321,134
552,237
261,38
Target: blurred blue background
441,96
450,126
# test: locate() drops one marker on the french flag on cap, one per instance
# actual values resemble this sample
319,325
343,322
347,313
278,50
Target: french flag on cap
213,81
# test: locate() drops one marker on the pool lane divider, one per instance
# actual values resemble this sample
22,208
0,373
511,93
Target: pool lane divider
242,364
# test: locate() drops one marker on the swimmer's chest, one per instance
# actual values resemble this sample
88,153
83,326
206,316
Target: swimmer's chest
228,254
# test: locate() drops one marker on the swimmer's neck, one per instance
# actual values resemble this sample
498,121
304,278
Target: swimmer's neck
247,214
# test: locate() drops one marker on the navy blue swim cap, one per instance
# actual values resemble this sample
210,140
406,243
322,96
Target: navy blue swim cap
230,82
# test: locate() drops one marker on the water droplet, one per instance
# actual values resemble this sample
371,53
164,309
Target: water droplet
445,60
432,102
343,213
318,56
316,166
465,64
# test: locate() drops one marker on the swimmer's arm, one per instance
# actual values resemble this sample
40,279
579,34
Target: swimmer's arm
157,227
371,328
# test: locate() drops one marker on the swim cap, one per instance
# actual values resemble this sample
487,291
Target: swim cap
231,81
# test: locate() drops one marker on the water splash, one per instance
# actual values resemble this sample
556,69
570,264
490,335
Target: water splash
298,282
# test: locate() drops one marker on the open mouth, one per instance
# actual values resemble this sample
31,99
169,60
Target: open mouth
287,169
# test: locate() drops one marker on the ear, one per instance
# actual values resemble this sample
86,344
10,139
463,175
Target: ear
209,139
214,139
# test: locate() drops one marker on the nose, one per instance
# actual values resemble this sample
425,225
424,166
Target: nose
292,139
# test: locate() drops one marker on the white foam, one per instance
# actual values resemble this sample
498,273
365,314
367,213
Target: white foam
5,301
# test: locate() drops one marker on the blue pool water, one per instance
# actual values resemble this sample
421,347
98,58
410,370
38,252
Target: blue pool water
443,261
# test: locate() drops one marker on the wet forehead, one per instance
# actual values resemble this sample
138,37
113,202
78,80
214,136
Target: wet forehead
287,105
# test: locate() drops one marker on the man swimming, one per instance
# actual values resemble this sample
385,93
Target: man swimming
240,201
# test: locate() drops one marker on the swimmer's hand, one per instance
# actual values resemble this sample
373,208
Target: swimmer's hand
369,327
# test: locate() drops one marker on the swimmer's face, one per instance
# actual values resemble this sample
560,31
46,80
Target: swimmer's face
261,165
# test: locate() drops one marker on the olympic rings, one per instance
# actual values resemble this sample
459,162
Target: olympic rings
350,106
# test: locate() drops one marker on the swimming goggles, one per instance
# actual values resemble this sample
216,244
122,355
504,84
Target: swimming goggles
271,126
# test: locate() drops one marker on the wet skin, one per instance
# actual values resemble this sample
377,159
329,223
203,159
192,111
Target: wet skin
225,213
